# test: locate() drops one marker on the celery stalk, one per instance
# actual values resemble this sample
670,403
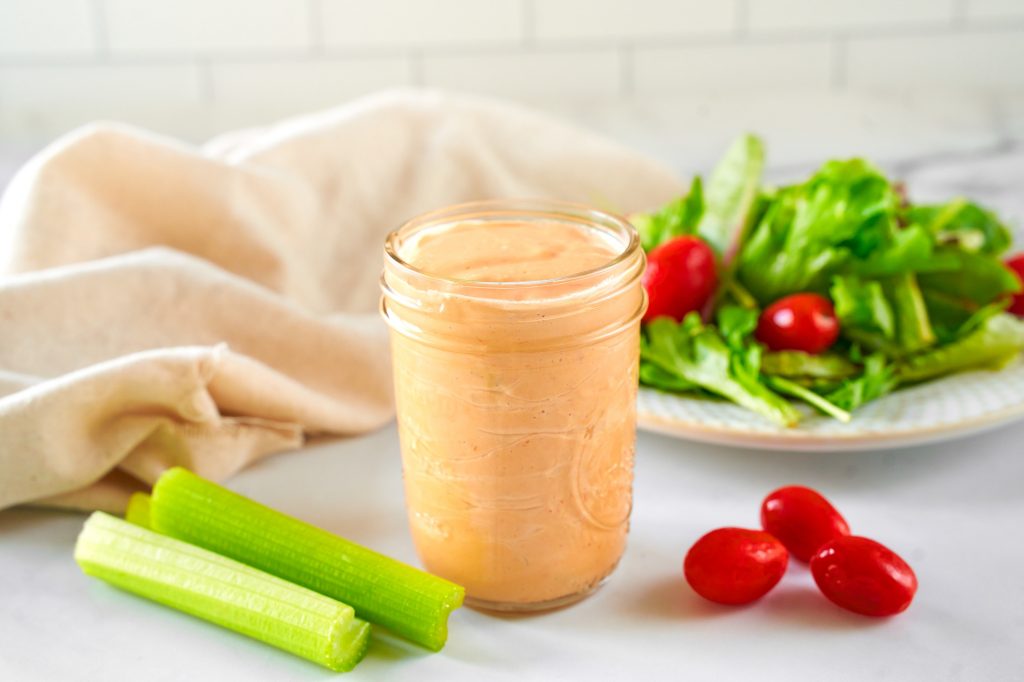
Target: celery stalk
222,591
138,510
409,602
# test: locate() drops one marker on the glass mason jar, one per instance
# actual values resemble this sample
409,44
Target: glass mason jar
517,410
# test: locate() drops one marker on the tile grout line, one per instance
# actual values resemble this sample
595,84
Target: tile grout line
838,71
416,68
529,22
742,27
998,110
474,49
207,92
314,10
627,71
99,27
959,17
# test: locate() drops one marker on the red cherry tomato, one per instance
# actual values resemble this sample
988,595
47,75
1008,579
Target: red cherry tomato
804,322
680,277
1017,303
863,576
802,519
735,565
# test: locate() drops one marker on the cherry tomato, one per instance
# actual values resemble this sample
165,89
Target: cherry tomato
1017,303
863,576
804,322
735,565
680,277
802,519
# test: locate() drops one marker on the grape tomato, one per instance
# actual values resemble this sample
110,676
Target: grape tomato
802,519
863,576
735,565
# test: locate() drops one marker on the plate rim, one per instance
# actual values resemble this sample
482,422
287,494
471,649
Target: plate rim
802,440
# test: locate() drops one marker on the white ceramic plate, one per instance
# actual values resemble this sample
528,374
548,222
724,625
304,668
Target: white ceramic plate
955,406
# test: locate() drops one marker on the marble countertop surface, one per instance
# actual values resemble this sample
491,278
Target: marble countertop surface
953,510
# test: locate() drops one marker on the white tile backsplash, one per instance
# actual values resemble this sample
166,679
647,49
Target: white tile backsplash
414,23
617,20
100,88
46,28
189,26
303,85
195,67
800,128
722,69
774,15
983,10
1011,110
990,61
531,75
53,99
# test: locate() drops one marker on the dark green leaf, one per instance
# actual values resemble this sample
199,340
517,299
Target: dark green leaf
877,379
963,224
908,250
845,210
978,278
654,376
862,305
677,218
736,324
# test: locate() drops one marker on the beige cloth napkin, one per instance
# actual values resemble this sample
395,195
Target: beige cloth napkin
162,304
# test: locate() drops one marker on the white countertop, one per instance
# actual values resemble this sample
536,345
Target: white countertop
953,510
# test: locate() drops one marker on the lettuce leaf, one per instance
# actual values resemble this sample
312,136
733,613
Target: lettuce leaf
877,379
993,340
795,390
794,364
961,223
906,250
862,305
977,278
654,376
675,219
913,326
732,195
919,290
721,215
846,210
737,325
697,353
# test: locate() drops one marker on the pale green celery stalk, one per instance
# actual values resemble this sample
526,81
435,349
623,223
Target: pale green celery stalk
222,591
409,602
138,510
795,390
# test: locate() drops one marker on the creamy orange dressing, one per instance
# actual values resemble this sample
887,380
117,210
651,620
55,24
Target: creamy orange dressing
516,403
509,251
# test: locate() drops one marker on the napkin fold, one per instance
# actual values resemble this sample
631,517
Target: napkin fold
163,304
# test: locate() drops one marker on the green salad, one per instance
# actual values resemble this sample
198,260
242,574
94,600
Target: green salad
834,291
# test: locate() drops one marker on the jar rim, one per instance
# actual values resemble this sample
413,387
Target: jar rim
511,209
